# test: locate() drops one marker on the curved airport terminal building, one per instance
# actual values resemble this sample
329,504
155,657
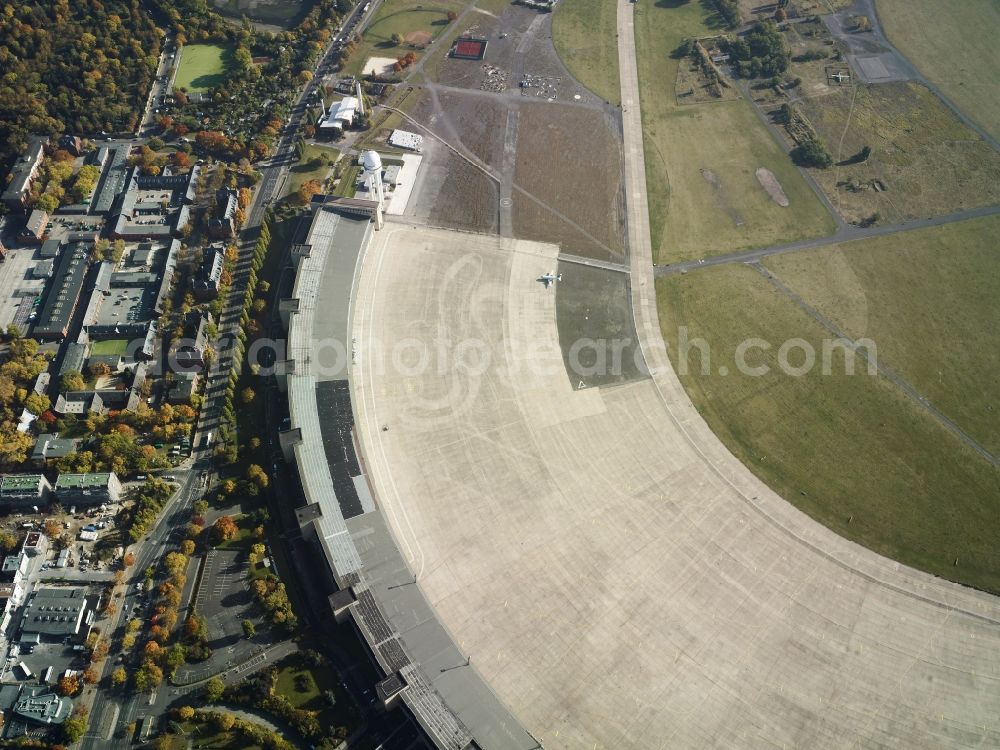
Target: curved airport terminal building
537,563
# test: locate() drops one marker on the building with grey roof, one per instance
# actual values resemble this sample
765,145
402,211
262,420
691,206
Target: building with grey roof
23,174
74,358
50,249
113,178
42,269
63,295
205,282
223,224
40,705
346,529
185,385
52,614
79,403
102,401
71,143
152,207
167,274
52,446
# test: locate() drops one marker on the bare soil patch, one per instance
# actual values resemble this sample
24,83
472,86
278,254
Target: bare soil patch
452,192
468,199
722,197
771,185
378,65
569,159
419,38
537,64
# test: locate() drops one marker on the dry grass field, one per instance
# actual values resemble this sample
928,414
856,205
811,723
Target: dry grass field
467,199
697,82
955,46
512,21
569,158
581,30
701,160
819,7
924,161
759,10
475,122
930,300
854,451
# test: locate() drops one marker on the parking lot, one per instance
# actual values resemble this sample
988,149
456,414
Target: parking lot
59,656
224,597
16,283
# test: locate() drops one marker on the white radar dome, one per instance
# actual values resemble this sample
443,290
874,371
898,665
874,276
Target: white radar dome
372,161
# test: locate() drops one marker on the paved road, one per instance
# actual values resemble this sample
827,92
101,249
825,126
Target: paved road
846,234
111,709
164,70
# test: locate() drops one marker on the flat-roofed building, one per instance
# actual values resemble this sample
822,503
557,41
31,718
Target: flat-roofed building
406,139
40,705
52,614
88,489
35,544
50,249
14,568
25,488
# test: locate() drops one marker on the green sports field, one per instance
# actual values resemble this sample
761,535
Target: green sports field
110,347
857,452
202,67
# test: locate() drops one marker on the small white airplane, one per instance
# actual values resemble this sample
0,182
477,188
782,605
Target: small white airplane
840,77
549,278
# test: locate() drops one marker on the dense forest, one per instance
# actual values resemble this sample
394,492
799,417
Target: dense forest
79,66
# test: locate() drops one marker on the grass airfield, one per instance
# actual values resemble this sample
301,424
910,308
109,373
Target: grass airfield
855,451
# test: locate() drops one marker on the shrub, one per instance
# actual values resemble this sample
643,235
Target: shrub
812,153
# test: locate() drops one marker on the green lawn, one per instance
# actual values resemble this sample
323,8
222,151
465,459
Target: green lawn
202,66
854,451
108,348
584,34
400,17
246,537
954,45
207,735
316,682
704,198
348,182
315,163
